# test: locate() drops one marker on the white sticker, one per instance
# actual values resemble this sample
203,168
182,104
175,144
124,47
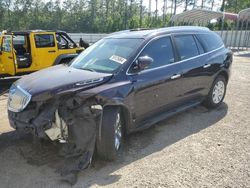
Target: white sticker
118,59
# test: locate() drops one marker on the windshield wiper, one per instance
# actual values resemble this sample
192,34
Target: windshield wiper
88,69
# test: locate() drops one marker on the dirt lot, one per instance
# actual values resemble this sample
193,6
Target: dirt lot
198,148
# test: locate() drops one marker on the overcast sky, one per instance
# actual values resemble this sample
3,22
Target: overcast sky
180,8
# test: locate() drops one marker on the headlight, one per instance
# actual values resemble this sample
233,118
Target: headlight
18,99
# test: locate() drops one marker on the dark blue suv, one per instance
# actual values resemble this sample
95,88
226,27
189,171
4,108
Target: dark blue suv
123,83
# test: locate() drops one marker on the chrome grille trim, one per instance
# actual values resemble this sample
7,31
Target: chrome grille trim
18,99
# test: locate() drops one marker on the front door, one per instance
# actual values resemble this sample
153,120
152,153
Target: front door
45,51
158,86
7,65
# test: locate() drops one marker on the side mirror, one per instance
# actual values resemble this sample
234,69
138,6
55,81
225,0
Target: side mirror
142,63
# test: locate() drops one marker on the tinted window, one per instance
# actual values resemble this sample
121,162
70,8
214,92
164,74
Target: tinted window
210,41
200,47
161,51
186,46
44,40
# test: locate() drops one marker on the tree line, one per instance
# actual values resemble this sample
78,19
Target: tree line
100,15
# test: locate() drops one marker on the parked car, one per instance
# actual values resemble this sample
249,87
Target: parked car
123,83
22,52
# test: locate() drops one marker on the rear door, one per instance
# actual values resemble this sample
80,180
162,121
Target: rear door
45,51
193,75
7,65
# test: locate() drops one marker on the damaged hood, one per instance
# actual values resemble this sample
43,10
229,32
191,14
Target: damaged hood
60,78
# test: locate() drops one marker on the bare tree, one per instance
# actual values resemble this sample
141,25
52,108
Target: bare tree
175,6
172,7
149,8
156,10
202,3
212,4
186,5
164,11
141,13
223,5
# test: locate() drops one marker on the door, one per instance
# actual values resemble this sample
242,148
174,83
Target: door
7,65
65,44
158,86
194,74
45,51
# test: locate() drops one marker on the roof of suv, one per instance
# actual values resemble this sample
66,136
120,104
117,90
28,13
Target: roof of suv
144,33
26,32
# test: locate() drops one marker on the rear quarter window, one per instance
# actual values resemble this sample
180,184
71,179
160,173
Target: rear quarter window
210,41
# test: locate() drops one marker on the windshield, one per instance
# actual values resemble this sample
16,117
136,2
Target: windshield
107,55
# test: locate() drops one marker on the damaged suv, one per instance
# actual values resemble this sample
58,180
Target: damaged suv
123,83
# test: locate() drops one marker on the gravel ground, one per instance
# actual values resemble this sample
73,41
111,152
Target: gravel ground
197,148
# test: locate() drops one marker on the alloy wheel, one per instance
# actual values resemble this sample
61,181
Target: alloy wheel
218,92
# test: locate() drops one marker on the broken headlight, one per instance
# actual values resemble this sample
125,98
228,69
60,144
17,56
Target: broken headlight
18,98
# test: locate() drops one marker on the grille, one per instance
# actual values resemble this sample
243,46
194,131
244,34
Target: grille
18,99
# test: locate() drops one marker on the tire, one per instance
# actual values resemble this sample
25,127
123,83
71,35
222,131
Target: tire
217,92
110,140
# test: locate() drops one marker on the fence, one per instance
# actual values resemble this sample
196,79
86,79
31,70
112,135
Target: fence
89,37
232,39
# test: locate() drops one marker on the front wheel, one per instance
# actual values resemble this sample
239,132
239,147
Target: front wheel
110,139
217,93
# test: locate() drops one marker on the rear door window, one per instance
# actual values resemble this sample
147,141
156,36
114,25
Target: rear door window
161,51
210,41
200,47
44,40
186,46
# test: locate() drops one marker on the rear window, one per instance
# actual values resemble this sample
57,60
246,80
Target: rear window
210,41
44,40
186,46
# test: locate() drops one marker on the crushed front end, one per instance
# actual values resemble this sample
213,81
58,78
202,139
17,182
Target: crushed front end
67,119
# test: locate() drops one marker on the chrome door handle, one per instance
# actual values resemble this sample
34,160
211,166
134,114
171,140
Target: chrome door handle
206,66
175,76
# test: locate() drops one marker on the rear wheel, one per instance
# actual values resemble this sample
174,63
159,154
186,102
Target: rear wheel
217,93
110,140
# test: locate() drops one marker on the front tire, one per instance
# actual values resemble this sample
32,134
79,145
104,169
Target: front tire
110,140
217,92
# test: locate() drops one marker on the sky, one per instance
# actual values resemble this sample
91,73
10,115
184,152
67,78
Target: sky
180,8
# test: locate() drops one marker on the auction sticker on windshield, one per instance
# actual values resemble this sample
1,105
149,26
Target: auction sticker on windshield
118,59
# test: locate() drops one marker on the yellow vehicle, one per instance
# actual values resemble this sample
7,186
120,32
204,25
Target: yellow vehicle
23,52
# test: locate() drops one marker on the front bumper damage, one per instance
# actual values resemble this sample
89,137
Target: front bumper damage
70,120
